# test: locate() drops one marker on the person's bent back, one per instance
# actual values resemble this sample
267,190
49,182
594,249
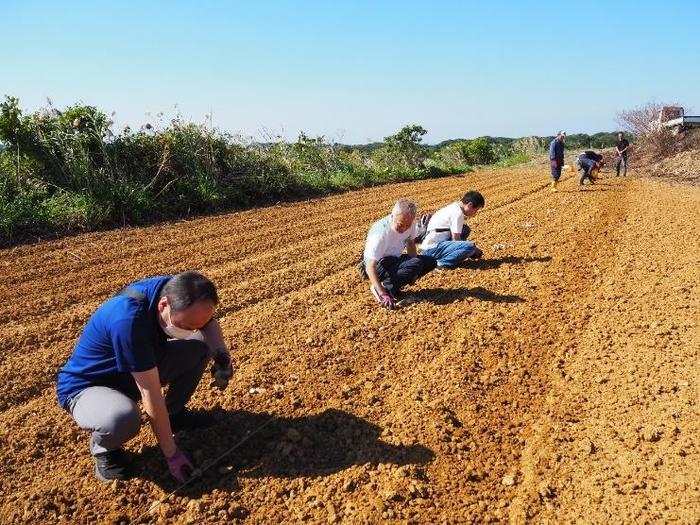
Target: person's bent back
155,332
589,163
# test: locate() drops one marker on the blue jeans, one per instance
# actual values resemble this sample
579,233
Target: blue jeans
450,253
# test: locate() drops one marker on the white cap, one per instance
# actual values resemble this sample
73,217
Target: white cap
561,133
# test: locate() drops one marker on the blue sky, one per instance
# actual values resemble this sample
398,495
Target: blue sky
356,71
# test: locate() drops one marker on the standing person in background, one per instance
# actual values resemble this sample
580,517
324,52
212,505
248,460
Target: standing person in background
446,237
385,264
155,332
556,157
622,147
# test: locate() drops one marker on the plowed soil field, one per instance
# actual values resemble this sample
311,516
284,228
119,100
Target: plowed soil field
555,381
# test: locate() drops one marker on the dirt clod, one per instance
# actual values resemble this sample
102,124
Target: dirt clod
552,381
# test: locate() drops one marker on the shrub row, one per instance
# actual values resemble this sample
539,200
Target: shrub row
67,170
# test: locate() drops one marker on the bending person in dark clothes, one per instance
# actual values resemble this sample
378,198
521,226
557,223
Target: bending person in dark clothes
589,164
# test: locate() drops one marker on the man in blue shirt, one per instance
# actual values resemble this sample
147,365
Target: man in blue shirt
556,157
155,332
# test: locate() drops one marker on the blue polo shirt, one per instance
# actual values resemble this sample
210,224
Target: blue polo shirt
121,337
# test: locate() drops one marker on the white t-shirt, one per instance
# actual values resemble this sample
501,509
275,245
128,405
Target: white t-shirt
450,217
382,240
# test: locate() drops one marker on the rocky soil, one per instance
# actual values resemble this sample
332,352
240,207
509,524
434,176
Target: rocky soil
555,381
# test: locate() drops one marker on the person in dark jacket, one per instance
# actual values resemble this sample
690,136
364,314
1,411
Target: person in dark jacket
589,162
622,148
556,157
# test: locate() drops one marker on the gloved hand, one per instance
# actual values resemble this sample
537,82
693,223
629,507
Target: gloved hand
387,301
554,163
476,254
180,466
222,369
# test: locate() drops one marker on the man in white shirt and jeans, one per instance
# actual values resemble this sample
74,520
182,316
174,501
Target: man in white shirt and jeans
446,237
384,262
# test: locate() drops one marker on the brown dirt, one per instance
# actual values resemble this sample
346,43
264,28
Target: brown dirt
555,381
679,166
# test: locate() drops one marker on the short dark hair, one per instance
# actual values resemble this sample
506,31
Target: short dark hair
186,288
476,198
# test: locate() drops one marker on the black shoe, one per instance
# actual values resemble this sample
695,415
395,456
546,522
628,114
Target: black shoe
112,465
187,419
422,227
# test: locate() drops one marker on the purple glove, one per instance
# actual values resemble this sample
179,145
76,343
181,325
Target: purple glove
387,301
180,466
222,369
476,254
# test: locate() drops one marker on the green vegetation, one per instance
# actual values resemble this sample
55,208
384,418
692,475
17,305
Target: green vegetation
597,141
63,171
573,142
69,170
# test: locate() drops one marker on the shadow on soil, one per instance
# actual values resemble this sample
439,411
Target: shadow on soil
598,186
491,264
263,445
590,189
451,295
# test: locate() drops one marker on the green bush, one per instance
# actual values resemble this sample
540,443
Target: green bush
513,159
68,170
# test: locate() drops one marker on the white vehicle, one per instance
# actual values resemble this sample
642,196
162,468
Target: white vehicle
674,117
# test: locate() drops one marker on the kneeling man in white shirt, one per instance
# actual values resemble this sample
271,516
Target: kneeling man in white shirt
446,237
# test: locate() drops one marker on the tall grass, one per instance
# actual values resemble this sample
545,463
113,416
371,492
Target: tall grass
69,170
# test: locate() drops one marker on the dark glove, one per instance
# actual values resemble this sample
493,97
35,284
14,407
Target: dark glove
222,369
476,254
387,301
180,466
422,227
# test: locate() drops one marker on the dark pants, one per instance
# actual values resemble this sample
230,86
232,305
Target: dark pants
114,417
556,172
397,272
587,166
621,161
